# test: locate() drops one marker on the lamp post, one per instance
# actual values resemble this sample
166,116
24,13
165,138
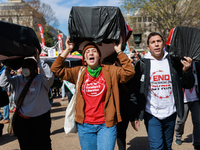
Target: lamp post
137,39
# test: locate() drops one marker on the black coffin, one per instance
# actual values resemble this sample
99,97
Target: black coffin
101,25
184,41
16,42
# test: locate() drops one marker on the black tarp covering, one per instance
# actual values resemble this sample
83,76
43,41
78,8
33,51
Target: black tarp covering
100,24
184,41
16,42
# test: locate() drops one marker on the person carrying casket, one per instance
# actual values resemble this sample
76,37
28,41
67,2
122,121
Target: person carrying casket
97,108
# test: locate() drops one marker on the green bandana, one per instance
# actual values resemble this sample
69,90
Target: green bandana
95,72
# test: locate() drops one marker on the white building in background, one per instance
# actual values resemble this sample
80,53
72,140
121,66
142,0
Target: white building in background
15,12
12,12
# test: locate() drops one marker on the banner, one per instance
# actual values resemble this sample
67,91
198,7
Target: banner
52,52
70,86
59,36
41,34
45,50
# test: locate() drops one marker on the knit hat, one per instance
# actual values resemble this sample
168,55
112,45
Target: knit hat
90,45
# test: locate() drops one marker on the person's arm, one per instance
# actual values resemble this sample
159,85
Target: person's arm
68,74
126,72
6,81
69,47
134,92
187,79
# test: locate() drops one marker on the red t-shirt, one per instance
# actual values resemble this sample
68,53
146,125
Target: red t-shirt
94,93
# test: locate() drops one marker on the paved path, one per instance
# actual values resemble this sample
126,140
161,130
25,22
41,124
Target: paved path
61,141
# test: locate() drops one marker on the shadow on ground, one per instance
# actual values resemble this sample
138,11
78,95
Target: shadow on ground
188,139
6,138
61,130
139,143
55,110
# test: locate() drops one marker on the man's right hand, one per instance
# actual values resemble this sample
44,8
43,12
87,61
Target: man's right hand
135,124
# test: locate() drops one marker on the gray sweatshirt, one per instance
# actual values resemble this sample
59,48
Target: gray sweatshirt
36,102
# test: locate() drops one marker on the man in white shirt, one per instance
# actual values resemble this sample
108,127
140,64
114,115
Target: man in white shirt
157,92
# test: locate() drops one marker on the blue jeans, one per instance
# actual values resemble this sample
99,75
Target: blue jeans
63,90
97,136
160,132
5,112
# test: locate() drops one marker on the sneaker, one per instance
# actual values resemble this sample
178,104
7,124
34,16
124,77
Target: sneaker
178,142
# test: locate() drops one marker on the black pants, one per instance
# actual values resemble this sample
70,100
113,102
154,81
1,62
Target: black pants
34,133
121,132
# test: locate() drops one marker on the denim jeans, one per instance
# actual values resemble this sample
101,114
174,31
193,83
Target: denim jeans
5,112
63,90
97,136
160,132
1,116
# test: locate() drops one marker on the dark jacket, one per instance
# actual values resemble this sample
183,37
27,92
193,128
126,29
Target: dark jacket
139,90
197,64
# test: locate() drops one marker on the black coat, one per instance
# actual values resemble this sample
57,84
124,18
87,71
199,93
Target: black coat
138,90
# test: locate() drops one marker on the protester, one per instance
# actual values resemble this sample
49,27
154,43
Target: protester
33,120
137,58
157,92
97,108
6,107
191,102
6,118
124,110
19,71
63,91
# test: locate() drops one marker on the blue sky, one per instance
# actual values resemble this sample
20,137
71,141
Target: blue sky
62,8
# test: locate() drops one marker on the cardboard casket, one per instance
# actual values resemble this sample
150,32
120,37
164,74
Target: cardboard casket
102,25
184,41
17,42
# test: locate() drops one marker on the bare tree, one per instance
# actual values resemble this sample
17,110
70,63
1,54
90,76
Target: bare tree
166,14
49,15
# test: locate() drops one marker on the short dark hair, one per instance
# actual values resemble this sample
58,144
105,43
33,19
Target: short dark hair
153,34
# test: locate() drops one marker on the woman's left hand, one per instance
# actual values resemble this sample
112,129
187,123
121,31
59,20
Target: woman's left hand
118,48
186,63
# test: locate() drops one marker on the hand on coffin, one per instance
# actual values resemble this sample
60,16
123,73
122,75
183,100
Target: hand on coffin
69,47
186,63
118,48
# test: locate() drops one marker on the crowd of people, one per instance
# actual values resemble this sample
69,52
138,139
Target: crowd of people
157,88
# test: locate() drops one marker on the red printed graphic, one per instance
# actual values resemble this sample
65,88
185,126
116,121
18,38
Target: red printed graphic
159,82
94,87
